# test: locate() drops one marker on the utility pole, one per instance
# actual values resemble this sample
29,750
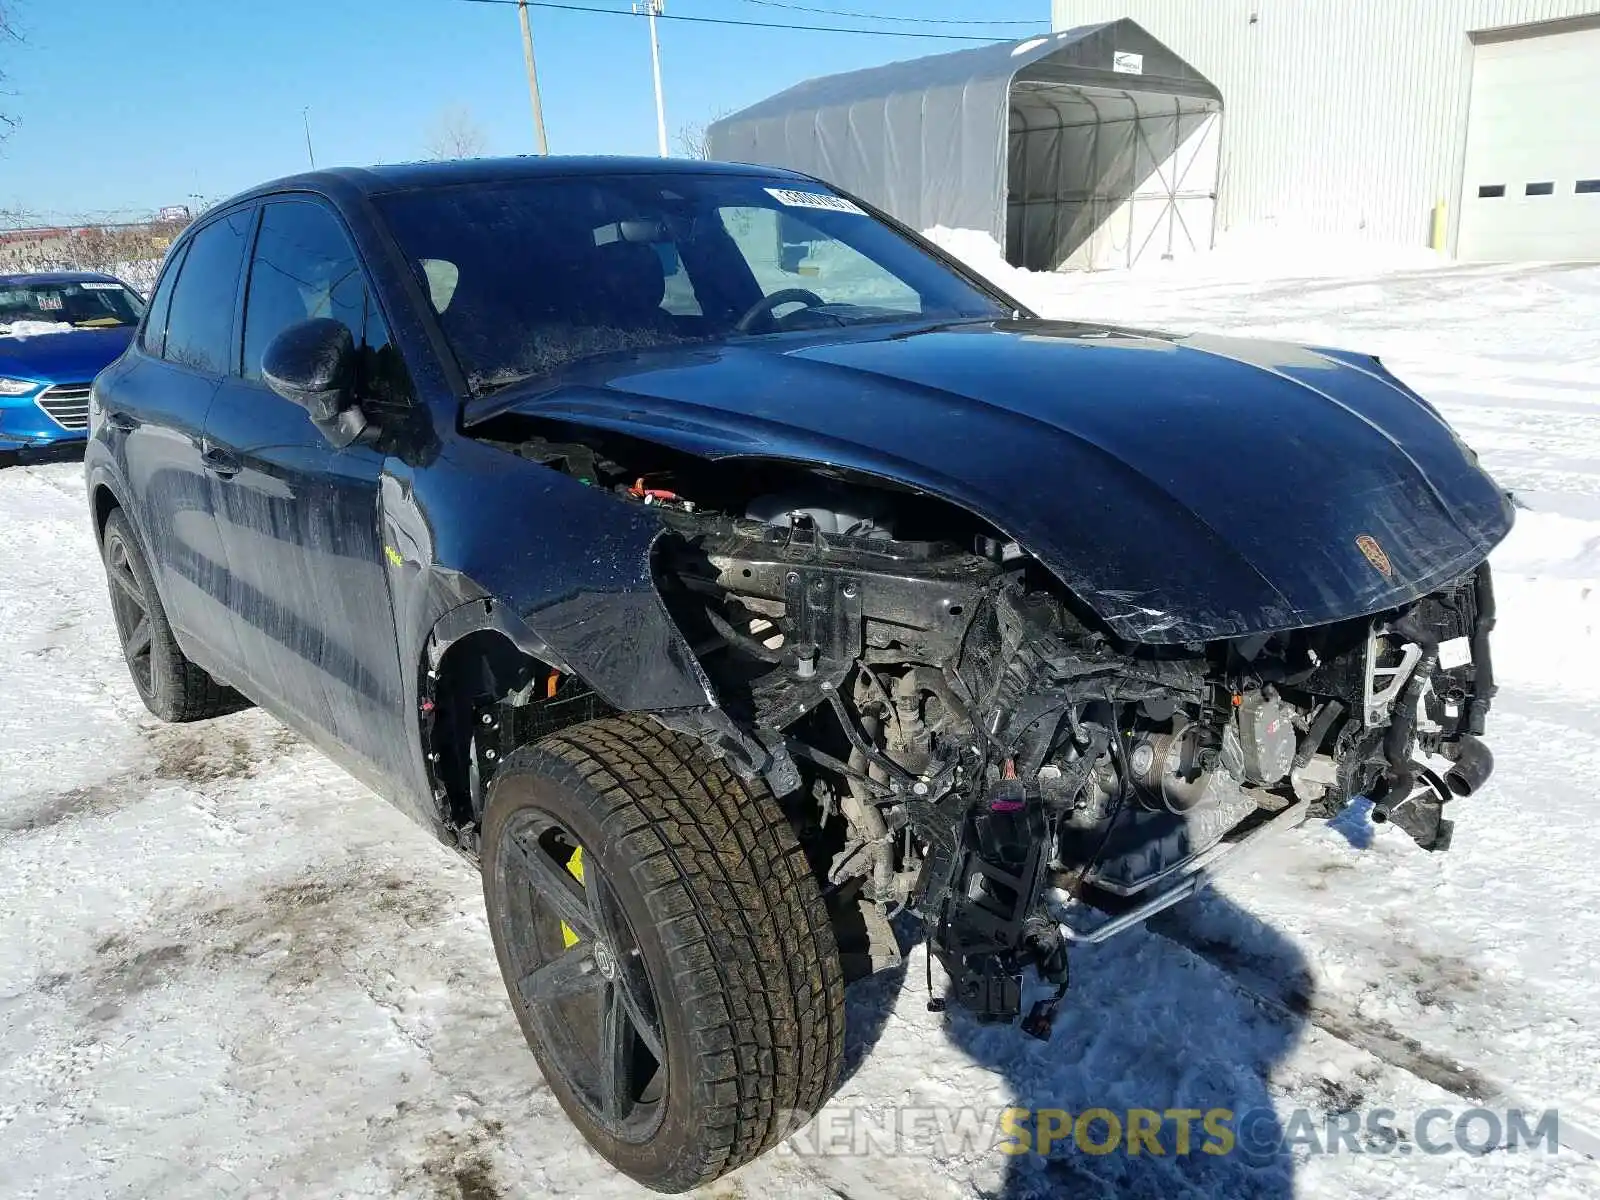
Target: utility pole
533,77
652,8
305,116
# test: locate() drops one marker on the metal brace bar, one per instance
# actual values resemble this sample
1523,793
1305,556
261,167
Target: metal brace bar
1205,869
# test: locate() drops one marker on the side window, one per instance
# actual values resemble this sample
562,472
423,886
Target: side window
200,321
154,337
304,267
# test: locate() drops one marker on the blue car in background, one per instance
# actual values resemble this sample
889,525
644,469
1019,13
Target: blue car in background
57,332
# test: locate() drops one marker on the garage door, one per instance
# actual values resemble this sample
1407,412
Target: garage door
1531,185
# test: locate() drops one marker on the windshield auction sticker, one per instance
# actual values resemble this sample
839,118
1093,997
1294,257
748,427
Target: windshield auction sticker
797,199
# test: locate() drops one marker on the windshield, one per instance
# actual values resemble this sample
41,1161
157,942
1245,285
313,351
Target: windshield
49,307
530,275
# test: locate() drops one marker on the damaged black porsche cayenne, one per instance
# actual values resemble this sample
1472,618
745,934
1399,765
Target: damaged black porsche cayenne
728,572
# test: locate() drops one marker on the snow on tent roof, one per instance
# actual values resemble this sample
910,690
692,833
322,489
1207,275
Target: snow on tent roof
927,139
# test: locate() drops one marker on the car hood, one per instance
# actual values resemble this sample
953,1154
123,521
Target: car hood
1185,488
74,356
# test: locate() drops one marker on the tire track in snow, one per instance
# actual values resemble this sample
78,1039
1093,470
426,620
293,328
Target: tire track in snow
1381,1040
177,756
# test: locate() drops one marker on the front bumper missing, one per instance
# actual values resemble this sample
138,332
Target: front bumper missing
1075,918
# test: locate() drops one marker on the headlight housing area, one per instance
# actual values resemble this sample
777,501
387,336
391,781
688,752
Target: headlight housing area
18,387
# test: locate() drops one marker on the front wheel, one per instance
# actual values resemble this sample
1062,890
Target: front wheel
666,948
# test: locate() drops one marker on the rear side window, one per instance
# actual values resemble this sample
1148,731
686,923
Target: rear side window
200,322
155,327
304,267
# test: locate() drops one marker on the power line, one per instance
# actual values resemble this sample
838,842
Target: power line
623,12
868,16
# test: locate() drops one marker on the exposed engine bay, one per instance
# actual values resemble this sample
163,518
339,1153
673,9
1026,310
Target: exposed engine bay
958,738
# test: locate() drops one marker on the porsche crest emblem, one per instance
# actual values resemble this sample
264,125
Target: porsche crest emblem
1368,545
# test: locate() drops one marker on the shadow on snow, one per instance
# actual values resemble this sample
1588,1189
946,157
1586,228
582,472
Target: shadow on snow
1146,1024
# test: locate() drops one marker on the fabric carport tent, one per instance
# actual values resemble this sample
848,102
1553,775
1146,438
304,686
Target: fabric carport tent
1087,148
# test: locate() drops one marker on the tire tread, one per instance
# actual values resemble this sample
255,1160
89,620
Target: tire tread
755,963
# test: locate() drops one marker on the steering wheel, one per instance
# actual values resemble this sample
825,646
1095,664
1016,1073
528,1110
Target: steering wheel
762,309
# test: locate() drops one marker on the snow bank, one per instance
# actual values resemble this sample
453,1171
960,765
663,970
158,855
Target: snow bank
1547,585
25,329
980,252
140,275
1258,253
1551,546
1279,252
1039,290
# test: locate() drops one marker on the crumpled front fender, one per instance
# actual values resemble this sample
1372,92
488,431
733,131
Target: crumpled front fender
571,563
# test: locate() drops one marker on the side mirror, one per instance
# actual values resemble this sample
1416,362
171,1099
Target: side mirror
313,364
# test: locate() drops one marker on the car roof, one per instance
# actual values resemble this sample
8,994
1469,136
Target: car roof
37,277
400,177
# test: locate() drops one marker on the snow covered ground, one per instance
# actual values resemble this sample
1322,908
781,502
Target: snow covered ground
228,970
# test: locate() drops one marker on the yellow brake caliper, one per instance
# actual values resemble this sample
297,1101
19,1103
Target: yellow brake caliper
575,867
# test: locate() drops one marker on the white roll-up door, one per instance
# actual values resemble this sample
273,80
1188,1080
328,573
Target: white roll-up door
1531,183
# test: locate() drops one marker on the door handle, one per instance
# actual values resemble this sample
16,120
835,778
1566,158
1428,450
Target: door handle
219,462
121,421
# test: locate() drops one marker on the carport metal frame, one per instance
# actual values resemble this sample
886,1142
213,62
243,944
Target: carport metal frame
1173,186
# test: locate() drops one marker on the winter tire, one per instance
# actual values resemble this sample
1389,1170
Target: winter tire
665,946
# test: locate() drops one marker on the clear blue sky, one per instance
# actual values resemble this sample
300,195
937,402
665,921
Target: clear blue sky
127,105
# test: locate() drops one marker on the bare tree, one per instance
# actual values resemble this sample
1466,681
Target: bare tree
455,133
8,36
694,139
131,251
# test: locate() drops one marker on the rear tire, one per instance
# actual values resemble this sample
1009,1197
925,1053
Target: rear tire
693,914
171,686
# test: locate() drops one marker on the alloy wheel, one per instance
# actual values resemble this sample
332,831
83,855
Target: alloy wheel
581,978
131,610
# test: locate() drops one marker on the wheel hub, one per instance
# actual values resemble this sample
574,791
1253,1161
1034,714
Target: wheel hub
604,960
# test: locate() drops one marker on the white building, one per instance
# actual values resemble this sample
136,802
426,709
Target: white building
1378,117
